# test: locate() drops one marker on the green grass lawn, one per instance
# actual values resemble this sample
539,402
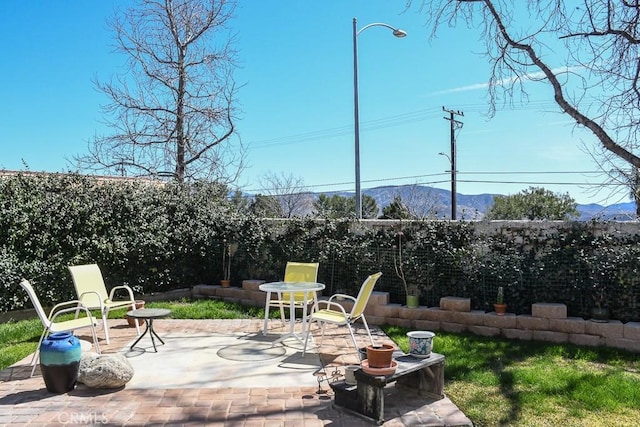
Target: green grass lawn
495,382
499,382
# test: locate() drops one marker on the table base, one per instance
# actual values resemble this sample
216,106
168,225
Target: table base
152,333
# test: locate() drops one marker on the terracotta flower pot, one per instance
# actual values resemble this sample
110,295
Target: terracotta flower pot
380,356
225,283
500,309
132,322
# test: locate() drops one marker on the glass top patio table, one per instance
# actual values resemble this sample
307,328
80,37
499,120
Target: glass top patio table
292,288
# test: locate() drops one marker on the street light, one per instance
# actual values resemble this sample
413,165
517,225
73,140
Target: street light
452,162
396,32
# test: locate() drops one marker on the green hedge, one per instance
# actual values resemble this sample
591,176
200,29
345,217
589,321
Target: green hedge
158,237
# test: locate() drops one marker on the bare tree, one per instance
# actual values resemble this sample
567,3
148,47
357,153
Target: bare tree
586,50
288,193
171,111
420,202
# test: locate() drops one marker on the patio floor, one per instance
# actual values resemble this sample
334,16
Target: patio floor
251,384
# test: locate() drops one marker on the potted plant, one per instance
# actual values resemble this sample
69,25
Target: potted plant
228,250
500,307
411,291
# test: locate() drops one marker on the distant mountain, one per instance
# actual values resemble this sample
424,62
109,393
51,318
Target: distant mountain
473,207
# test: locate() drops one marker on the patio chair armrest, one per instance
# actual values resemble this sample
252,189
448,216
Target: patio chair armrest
101,303
125,287
344,296
328,306
73,306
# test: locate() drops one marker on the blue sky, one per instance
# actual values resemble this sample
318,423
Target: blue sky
296,65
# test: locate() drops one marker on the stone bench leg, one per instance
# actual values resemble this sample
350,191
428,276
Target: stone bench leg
428,382
371,400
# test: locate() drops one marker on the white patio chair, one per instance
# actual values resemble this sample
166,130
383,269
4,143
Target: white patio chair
52,326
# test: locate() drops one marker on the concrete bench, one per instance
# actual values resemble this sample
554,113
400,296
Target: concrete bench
424,377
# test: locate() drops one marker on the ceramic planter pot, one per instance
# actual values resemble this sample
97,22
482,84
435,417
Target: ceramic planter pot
413,301
380,356
420,343
60,355
225,283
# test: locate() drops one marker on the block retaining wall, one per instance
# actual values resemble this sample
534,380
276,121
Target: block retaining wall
547,321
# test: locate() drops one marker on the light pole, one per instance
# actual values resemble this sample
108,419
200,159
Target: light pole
396,32
452,162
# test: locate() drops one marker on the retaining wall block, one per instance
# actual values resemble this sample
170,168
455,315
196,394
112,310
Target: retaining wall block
550,336
434,313
453,327
379,298
455,304
518,334
257,297
586,340
485,331
631,331
389,310
447,316
426,325
413,313
623,344
570,325
231,292
376,320
492,320
549,310
204,290
252,285
610,329
526,321
470,318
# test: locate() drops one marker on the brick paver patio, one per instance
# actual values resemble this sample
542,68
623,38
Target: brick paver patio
24,401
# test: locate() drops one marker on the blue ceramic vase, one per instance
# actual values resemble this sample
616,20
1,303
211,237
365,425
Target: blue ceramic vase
60,355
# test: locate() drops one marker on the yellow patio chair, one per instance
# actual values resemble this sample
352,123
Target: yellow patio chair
332,312
294,272
52,326
92,292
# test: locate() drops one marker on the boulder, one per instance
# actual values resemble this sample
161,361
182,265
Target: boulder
104,371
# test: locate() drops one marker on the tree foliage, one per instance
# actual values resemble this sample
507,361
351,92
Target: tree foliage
337,206
587,52
171,111
158,237
533,204
397,209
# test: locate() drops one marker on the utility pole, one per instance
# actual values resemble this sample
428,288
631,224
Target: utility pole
455,124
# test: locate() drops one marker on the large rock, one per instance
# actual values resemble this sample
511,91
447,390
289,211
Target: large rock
104,371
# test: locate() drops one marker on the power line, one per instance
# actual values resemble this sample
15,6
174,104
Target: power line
382,123
422,181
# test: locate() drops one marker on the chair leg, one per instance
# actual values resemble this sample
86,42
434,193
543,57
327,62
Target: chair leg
266,313
36,354
284,321
353,338
133,305
95,340
306,338
366,326
322,332
105,326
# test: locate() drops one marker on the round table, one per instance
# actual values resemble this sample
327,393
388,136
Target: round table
148,315
291,287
